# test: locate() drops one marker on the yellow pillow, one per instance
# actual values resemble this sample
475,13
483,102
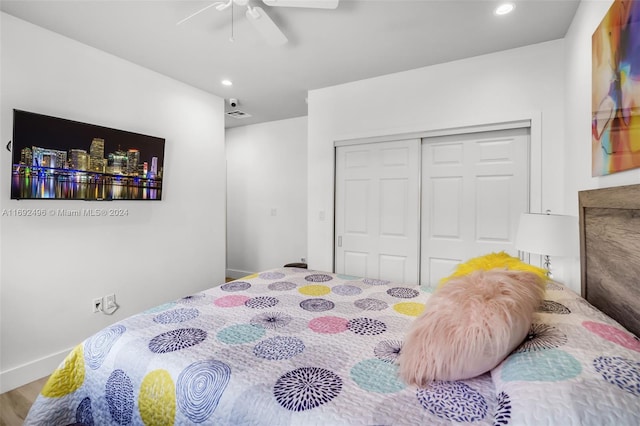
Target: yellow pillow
494,261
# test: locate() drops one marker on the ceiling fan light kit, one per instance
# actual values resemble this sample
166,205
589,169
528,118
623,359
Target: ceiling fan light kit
259,18
221,5
265,26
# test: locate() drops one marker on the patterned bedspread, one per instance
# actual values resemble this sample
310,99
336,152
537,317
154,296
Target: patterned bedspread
299,347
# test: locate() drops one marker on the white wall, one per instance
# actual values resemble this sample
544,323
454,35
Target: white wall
52,267
266,195
521,83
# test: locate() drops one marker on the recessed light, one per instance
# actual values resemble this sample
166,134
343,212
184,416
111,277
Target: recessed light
504,8
227,82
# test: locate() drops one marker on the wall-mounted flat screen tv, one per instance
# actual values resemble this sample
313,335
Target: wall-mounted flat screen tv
56,158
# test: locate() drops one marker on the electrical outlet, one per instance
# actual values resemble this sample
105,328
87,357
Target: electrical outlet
110,301
110,305
97,305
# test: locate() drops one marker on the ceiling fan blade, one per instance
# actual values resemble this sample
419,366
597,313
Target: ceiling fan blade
217,4
317,4
265,26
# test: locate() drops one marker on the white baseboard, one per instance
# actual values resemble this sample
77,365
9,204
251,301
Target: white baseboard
237,273
27,373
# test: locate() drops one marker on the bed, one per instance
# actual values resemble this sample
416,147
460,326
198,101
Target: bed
292,346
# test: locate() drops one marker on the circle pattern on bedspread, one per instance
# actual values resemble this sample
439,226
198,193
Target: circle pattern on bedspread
455,401
551,307
369,304
235,286
176,315
261,302
411,309
347,277
503,410
231,301
551,365
403,292
175,340
346,290
97,347
314,290
157,399
619,371
84,413
318,278
542,336
306,388
317,305
200,387
375,375
388,350
366,326
240,333
68,377
372,281
613,334
271,275
282,286
328,325
278,348
119,396
271,320
160,308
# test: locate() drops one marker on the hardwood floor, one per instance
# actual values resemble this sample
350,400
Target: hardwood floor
15,404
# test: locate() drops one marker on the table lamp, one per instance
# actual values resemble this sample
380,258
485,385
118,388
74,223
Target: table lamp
547,235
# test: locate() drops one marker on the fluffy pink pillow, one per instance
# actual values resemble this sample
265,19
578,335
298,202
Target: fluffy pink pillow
470,325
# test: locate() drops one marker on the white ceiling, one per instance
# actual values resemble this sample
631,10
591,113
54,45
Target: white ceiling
359,39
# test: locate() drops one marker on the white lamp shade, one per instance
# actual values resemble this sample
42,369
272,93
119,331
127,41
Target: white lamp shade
548,234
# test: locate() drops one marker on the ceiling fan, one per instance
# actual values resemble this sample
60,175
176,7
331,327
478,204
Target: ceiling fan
259,18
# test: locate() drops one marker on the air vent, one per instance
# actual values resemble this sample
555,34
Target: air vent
238,114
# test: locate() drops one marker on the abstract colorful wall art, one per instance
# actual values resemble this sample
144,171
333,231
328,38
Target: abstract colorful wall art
615,126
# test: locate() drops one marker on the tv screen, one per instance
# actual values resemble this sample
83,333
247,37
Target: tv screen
55,158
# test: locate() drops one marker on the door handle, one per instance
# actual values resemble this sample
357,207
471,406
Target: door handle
340,241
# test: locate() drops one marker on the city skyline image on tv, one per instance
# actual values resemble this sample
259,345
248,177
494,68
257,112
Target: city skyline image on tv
56,158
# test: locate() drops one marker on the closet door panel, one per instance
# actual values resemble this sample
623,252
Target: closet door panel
377,210
474,187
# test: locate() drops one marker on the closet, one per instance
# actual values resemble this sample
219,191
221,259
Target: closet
409,210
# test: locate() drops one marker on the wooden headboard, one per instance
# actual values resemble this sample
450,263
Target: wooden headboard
610,252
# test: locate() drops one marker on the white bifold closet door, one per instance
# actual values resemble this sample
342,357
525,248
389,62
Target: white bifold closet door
474,187
377,216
